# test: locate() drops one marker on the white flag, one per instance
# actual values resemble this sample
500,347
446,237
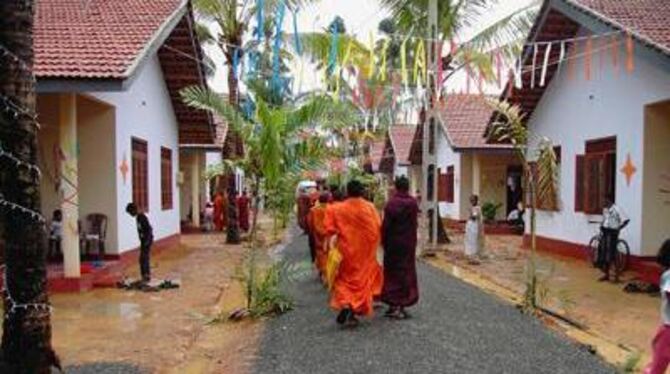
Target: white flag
545,65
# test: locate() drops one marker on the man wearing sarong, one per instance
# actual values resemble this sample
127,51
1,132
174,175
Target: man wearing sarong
220,211
243,211
316,220
399,237
357,226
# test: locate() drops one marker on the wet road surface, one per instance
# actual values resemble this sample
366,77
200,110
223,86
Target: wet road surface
455,328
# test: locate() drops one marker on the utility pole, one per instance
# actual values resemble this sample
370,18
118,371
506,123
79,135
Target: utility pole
429,159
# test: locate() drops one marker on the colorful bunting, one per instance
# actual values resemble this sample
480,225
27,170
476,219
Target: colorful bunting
518,74
588,53
420,71
332,56
296,35
571,61
440,68
403,64
545,65
615,54
276,63
630,64
260,24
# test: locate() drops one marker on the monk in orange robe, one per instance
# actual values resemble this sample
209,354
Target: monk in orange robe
359,280
316,221
220,217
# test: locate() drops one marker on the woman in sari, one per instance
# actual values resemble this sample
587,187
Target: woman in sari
474,231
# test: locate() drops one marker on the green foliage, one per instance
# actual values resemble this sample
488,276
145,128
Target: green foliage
631,364
509,127
490,210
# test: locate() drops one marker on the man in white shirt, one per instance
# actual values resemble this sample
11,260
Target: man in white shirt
614,220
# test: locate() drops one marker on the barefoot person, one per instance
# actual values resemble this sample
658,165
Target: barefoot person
146,235
316,221
399,236
661,343
474,231
243,203
357,226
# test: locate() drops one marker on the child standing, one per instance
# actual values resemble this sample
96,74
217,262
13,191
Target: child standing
209,217
146,236
55,234
661,343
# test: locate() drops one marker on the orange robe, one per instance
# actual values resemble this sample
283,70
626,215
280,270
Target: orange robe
317,227
359,279
220,216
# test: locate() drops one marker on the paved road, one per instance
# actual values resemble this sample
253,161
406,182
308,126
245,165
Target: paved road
455,329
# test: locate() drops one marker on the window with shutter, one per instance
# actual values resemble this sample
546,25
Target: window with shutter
579,183
166,178
140,165
450,184
441,186
599,174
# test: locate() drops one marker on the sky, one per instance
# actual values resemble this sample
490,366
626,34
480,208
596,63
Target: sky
361,17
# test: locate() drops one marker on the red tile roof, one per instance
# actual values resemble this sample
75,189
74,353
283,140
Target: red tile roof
96,38
648,19
465,119
401,140
377,152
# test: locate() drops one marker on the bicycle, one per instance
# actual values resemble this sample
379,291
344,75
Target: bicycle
622,258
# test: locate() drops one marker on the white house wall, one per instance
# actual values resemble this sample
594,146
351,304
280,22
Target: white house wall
447,157
573,111
145,111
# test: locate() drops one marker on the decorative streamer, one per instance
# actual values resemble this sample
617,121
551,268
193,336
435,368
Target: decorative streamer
260,25
371,71
630,63
420,63
236,61
332,56
403,64
615,53
545,65
518,74
298,43
453,48
571,60
603,56
588,58
532,69
561,57
276,65
382,73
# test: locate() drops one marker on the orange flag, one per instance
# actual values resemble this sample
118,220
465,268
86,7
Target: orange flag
615,53
571,60
630,63
588,53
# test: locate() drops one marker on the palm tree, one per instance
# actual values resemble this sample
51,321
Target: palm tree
277,152
456,19
233,19
541,177
26,339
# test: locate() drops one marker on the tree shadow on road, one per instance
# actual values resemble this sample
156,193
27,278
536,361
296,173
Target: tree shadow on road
105,368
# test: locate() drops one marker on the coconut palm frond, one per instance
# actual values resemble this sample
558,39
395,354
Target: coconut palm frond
547,174
205,99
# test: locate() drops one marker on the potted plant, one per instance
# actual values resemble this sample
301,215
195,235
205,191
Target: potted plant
490,211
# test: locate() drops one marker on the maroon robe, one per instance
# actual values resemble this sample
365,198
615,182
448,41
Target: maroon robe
243,212
399,238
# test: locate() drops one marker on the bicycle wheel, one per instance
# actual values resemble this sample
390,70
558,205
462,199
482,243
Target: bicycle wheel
592,250
622,258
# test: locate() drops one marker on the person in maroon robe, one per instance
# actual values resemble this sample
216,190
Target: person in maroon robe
243,211
399,238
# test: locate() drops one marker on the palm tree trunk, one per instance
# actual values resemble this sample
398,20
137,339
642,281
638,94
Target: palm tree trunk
26,339
233,228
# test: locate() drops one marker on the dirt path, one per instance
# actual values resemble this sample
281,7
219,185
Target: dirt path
165,332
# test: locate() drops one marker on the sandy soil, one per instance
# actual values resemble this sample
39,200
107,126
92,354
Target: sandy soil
626,320
167,331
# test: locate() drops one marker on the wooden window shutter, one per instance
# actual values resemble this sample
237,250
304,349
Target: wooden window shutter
579,183
140,173
610,176
442,183
450,184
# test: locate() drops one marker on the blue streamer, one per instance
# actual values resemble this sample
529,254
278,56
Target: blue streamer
236,61
332,58
276,63
259,19
298,44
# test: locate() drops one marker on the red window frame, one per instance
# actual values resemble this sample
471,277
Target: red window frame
166,179
596,175
446,185
140,171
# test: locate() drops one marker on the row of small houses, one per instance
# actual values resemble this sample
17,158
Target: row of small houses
611,134
114,129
